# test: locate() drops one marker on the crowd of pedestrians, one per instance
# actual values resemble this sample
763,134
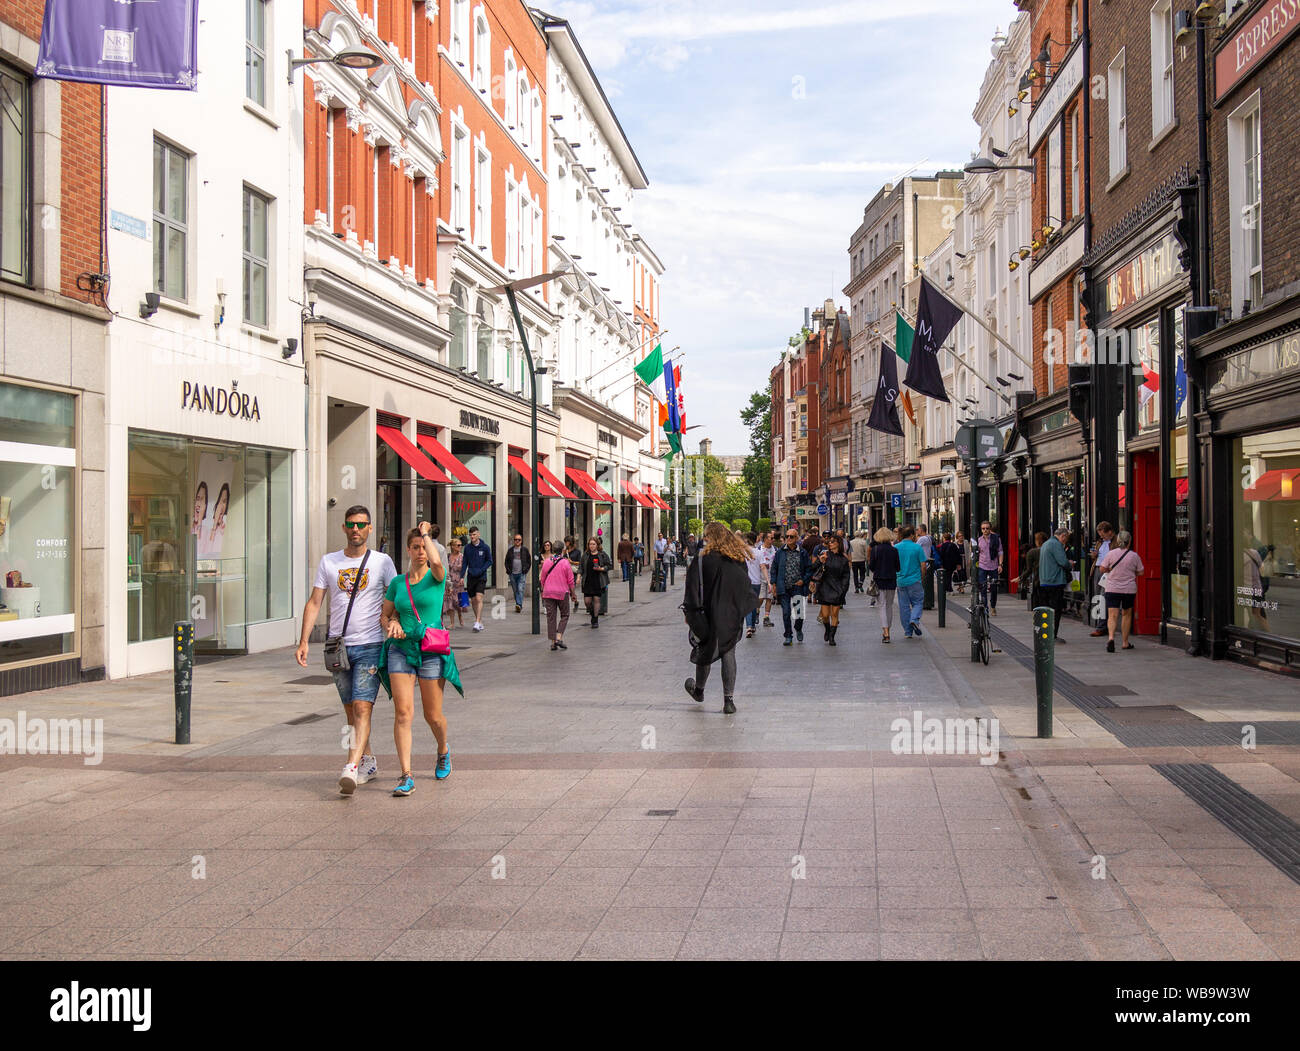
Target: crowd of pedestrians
392,629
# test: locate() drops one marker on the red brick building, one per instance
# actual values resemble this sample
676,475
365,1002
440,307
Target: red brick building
52,373
425,188
1143,164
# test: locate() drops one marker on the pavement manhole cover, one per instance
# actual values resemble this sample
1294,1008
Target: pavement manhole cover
312,680
660,813
314,717
1151,715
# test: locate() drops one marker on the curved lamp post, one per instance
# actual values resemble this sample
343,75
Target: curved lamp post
534,497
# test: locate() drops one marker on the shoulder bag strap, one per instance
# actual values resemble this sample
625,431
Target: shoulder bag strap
356,586
411,598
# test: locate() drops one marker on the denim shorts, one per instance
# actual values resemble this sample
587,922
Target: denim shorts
361,682
430,666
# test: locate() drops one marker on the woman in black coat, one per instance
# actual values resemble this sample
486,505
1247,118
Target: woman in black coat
833,576
595,578
884,574
718,599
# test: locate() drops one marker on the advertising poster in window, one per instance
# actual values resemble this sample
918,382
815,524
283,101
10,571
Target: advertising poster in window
212,494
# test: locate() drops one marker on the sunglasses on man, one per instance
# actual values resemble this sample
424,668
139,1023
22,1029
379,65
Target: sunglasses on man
357,525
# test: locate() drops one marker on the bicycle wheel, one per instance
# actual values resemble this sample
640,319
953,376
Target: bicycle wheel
984,647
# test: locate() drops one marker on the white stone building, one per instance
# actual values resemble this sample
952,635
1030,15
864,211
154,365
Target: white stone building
606,304
206,400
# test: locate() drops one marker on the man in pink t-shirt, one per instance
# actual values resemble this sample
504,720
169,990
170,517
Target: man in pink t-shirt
1120,568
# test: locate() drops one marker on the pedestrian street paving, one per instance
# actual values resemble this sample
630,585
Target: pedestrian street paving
596,811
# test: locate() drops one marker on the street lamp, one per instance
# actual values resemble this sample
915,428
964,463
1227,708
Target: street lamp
986,165
352,58
534,500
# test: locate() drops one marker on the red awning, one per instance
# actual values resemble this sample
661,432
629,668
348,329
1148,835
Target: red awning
420,463
548,476
639,497
660,502
1282,484
543,486
588,485
444,456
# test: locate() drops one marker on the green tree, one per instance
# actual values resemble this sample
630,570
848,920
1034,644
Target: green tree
735,501
757,473
696,471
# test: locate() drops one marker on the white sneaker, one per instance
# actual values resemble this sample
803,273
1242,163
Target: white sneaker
478,626
367,769
348,782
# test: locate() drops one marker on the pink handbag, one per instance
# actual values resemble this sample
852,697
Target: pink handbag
434,640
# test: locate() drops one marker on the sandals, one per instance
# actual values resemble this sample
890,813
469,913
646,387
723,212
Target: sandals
1128,647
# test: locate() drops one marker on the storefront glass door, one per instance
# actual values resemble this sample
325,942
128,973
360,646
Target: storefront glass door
208,539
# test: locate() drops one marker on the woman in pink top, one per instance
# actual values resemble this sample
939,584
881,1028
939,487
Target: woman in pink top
1121,568
558,582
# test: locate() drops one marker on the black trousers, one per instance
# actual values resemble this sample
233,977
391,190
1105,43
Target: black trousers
728,674
859,575
1053,596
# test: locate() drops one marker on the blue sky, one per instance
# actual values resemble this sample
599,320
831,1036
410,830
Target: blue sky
765,128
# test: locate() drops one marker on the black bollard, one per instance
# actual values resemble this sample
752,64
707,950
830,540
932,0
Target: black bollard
941,595
631,587
672,571
1044,665
183,677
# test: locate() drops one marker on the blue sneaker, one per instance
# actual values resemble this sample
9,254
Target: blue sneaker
443,770
405,786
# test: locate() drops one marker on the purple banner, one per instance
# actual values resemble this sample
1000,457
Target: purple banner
132,43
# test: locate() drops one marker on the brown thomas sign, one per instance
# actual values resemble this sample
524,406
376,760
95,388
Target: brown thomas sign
1260,35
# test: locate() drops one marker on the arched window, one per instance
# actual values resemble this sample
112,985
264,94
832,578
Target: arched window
482,52
524,110
484,340
511,91
459,326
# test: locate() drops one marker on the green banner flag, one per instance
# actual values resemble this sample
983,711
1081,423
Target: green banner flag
652,368
674,441
903,333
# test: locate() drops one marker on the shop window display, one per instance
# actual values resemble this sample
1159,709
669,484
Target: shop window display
1266,532
195,511
38,548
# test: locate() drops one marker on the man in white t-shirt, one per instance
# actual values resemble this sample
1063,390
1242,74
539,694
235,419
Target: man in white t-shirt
766,553
364,639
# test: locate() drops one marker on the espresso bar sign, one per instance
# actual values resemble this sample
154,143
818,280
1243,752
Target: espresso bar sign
202,398
472,421
1259,36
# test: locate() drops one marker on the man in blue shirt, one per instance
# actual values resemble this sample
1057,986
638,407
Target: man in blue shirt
1054,573
911,596
478,560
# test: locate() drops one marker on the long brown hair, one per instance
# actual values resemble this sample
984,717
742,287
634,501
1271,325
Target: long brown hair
725,542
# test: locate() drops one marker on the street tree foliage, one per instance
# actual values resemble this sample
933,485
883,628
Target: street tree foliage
692,471
757,416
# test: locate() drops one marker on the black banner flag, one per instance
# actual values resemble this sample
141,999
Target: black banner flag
935,318
884,410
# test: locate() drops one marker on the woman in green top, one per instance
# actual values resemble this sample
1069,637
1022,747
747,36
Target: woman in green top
402,660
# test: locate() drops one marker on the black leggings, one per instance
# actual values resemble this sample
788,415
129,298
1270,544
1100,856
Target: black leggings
728,674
